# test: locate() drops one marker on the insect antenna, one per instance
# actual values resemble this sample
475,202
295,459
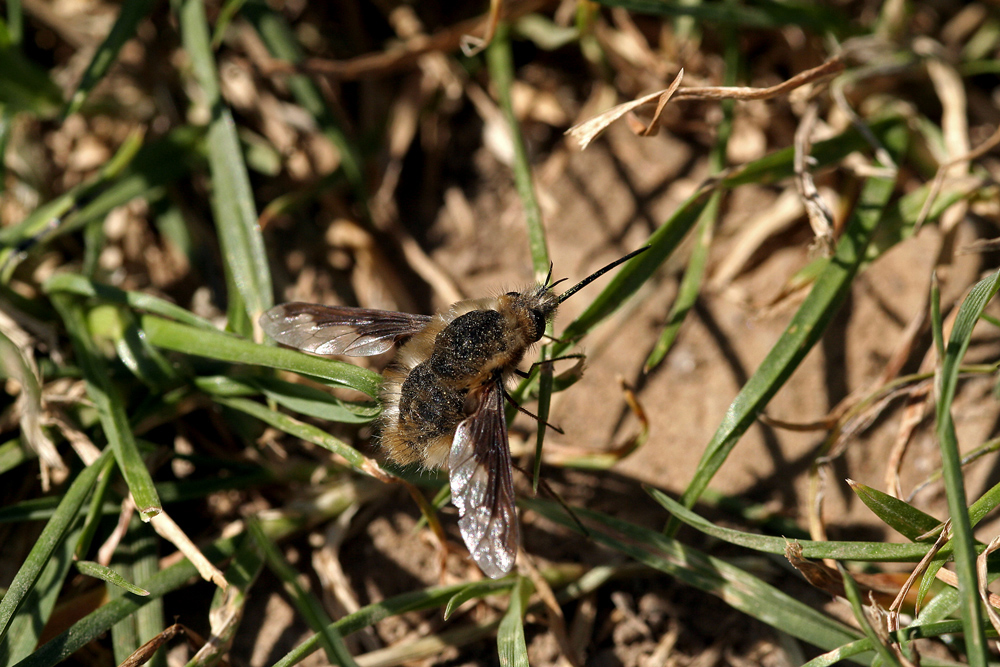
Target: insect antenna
597,274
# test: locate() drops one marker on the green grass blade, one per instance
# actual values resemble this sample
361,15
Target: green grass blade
780,165
964,542
738,589
110,408
15,22
136,560
317,403
857,606
214,344
52,536
242,245
901,516
152,167
299,429
16,364
475,591
756,15
805,329
511,646
229,10
100,621
860,551
500,61
928,631
13,453
635,272
132,12
26,87
27,625
98,571
74,283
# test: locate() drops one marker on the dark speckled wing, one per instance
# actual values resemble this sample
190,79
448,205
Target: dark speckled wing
356,332
482,487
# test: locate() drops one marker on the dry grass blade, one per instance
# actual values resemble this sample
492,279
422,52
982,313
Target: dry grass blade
143,654
820,215
472,45
939,178
983,576
918,571
584,133
170,531
828,69
587,131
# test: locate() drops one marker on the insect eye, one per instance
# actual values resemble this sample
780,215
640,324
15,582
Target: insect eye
512,294
539,320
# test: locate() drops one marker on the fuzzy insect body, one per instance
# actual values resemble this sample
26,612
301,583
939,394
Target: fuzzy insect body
443,396
439,374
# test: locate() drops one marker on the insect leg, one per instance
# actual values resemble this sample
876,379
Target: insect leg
530,414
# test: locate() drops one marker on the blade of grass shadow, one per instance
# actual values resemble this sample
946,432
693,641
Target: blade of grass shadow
805,328
309,607
635,272
110,408
735,587
132,12
51,537
243,254
964,542
214,344
687,292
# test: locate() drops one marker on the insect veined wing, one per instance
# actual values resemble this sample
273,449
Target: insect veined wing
357,332
482,485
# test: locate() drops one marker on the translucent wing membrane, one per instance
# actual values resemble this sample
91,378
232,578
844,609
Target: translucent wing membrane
482,487
357,332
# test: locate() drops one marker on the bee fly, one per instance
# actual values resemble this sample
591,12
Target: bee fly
443,397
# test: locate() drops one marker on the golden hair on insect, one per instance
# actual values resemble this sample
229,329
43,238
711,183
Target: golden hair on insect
443,395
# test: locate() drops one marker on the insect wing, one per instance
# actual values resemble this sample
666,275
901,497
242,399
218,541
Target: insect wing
356,332
482,486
